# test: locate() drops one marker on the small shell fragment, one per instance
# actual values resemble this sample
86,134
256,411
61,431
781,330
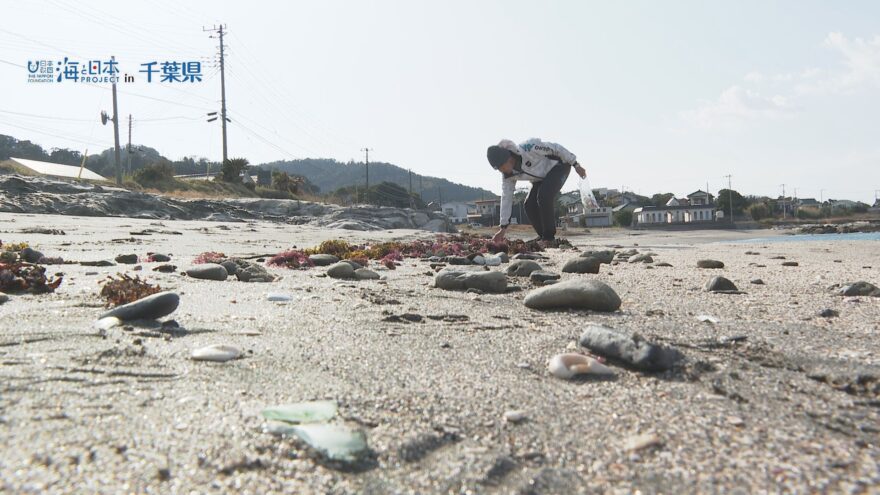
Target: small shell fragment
218,353
569,365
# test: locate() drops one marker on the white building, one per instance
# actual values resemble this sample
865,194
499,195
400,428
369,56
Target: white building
457,211
674,214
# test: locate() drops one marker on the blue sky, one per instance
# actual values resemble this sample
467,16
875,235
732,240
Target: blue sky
651,96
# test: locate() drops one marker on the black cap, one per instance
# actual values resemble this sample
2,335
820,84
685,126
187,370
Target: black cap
497,156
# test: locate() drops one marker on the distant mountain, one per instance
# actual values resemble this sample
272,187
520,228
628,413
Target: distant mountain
330,175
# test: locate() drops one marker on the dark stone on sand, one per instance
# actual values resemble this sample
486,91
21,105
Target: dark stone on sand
663,264
522,268
254,273
828,313
605,257
631,351
30,255
756,281
582,265
160,258
860,289
457,280
540,277
208,271
341,270
720,284
576,294
713,264
789,263
527,256
97,263
127,259
165,269
458,260
641,258
323,259
148,308
504,257
231,267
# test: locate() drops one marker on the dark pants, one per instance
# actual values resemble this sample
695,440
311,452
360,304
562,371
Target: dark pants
541,203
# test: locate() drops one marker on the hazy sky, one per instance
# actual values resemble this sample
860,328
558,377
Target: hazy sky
653,96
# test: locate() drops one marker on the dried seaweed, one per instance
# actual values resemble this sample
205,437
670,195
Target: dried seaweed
290,259
210,257
21,277
390,253
125,289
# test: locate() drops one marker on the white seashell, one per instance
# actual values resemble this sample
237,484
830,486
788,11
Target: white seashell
707,319
568,365
219,353
108,323
515,416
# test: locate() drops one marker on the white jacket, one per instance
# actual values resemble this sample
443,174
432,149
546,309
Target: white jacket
538,158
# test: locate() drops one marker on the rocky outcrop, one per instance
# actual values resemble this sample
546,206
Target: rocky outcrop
22,194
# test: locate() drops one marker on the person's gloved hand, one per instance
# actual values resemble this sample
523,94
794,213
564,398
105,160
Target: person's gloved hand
581,171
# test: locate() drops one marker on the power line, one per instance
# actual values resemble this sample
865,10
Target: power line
51,117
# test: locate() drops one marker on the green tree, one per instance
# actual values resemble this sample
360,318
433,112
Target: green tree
759,211
740,203
661,199
232,168
623,218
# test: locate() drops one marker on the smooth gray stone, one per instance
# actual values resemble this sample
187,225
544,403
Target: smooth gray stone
160,258
710,264
231,267
541,277
341,269
354,264
148,308
366,274
582,265
323,259
577,294
3,298
605,257
127,259
860,289
458,260
97,263
505,258
208,271
720,284
631,351
757,281
30,255
641,258
522,268
485,281
663,264
254,273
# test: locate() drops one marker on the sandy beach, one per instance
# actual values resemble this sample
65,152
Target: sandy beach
770,396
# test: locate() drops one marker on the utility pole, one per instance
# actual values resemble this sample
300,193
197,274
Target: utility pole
128,166
411,205
821,193
223,118
116,133
730,196
367,162
783,201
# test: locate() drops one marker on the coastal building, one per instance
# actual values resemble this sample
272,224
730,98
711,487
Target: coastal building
674,213
486,212
457,211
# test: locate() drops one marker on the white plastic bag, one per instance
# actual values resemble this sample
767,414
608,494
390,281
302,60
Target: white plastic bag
587,198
